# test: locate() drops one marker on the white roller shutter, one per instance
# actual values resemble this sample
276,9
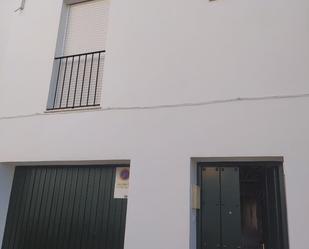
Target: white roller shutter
86,27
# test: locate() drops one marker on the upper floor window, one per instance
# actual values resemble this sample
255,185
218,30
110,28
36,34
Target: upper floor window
78,66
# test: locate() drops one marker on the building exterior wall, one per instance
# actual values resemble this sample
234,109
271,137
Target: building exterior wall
166,53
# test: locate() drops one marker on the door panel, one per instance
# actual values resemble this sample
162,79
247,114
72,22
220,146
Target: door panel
65,208
273,209
210,236
230,208
220,213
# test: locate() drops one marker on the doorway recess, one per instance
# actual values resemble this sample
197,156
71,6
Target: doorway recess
243,206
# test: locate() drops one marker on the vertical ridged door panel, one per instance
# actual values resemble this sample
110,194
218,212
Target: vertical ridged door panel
65,208
274,223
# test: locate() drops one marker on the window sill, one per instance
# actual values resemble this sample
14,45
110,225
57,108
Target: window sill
75,109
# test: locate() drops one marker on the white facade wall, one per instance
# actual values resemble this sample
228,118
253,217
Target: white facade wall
165,52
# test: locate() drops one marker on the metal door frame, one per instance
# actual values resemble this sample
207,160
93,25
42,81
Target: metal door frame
247,162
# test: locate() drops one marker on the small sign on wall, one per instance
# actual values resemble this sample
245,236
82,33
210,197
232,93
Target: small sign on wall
196,200
122,183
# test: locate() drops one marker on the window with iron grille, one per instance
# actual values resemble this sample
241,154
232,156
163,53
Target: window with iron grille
79,62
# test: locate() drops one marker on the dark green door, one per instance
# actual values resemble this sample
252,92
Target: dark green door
210,211
220,210
243,206
230,208
65,208
275,227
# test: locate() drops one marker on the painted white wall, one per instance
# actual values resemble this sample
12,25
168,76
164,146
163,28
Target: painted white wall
160,151
6,176
166,52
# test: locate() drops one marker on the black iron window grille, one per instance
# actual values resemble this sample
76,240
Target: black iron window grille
77,81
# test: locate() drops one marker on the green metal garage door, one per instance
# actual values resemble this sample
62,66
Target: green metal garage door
65,208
